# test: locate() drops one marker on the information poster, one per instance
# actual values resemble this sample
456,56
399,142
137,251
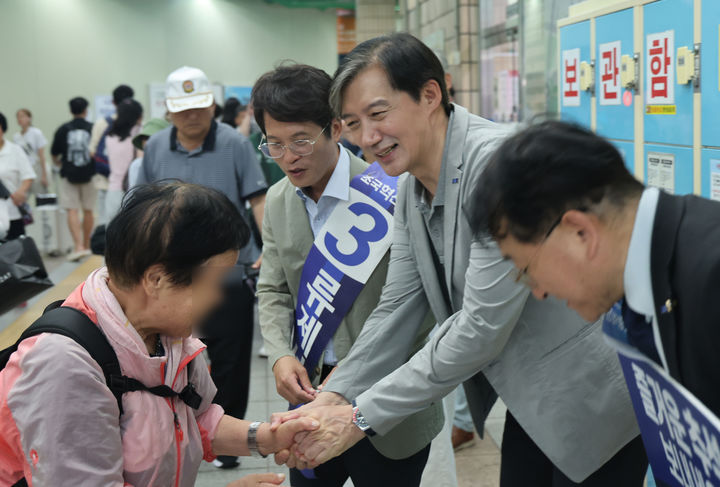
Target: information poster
661,171
104,107
715,179
157,100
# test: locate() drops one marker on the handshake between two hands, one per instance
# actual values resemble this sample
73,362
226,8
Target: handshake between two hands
302,444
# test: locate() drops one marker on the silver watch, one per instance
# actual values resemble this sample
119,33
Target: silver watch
252,440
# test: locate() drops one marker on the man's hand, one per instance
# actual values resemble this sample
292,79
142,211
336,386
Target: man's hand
288,456
322,399
259,480
257,263
292,381
336,435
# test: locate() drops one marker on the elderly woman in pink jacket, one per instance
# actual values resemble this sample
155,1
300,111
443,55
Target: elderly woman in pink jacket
167,253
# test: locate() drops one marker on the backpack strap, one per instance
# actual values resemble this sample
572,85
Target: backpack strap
188,395
75,324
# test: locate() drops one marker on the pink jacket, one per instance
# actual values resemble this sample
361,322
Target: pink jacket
60,424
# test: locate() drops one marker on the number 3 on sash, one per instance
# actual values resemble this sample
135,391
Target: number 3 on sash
362,237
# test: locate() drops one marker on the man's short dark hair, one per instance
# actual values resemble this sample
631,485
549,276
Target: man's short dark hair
408,63
78,105
121,93
542,172
3,123
177,225
293,93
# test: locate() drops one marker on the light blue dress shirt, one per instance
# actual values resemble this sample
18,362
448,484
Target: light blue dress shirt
637,278
338,188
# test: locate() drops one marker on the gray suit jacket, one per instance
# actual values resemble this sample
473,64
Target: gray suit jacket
554,372
287,239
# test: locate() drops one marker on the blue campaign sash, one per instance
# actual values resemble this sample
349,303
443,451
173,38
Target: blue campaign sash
344,255
681,435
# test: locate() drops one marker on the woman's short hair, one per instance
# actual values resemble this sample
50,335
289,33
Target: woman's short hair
177,225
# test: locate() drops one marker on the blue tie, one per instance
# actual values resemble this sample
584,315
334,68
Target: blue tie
639,332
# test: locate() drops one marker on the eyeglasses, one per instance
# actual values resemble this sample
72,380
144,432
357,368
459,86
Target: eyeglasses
521,275
298,147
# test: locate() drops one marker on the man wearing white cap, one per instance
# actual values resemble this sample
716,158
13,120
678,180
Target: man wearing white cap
196,149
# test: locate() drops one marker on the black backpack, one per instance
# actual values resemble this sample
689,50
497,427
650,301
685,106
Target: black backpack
75,324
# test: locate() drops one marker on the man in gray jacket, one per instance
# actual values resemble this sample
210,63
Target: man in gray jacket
570,420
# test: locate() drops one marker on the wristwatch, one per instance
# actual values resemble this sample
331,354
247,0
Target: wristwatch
359,420
252,440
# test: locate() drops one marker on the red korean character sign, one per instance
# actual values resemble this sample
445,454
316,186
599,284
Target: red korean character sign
609,73
660,68
571,78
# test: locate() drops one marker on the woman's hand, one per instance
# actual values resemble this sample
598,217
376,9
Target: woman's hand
259,480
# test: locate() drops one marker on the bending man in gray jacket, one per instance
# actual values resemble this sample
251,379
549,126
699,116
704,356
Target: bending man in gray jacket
569,419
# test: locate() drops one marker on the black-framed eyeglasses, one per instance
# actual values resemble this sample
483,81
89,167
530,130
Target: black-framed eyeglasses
303,147
521,275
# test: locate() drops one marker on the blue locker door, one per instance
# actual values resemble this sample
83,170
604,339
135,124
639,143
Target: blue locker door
574,49
668,24
669,168
710,84
627,151
711,174
614,38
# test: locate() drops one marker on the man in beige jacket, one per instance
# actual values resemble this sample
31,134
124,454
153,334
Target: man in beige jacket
292,108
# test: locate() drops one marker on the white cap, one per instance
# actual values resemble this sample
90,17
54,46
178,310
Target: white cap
187,88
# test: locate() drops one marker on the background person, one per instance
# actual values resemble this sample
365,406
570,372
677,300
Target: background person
33,142
121,152
70,150
199,150
99,153
17,175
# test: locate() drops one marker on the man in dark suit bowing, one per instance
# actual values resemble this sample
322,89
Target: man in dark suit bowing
562,205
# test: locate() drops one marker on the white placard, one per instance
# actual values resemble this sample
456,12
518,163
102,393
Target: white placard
715,179
571,77
661,171
157,100
660,68
609,73
104,107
